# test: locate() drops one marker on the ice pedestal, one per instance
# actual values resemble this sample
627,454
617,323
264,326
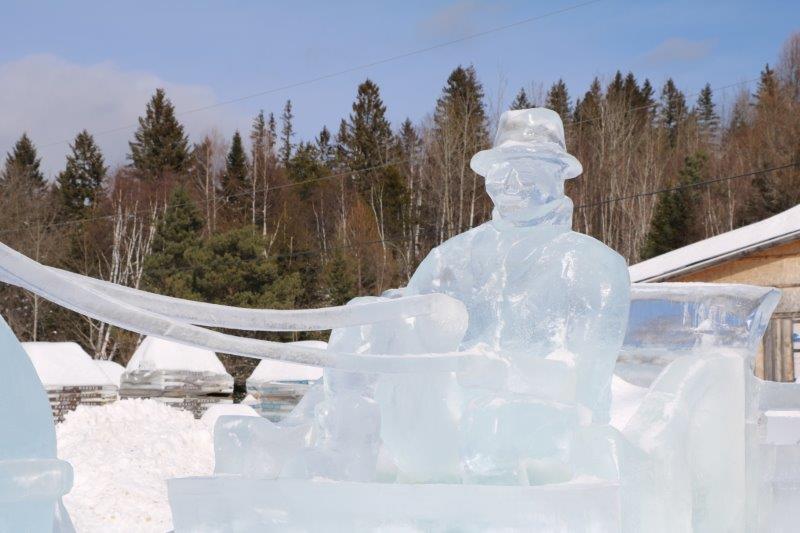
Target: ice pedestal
240,504
32,479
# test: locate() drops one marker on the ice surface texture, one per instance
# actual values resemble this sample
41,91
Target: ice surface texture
31,478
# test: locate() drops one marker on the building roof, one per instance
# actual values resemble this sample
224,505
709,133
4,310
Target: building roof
783,227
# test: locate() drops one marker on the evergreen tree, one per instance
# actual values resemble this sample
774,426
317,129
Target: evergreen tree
231,269
159,145
673,110
235,180
587,110
340,281
707,117
459,131
521,101
674,220
22,166
167,268
325,149
259,136
81,182
368,130
615,92
305,168
768,89
287,132
558,100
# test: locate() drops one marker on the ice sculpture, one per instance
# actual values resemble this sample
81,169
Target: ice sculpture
32,479
477,397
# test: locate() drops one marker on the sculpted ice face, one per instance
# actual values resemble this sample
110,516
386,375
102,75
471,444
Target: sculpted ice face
526,168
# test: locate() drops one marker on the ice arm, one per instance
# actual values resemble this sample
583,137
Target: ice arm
19,270
222,316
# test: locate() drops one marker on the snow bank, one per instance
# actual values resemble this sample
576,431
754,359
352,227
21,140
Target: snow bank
122,454
159,354
269,370
60,364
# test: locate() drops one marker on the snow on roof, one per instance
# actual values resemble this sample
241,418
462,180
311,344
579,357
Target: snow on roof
272,370
61,364
776,229
159,354
112,370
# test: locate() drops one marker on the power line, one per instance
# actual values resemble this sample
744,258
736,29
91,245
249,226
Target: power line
689,185
655,103
358,244
356,68
376,167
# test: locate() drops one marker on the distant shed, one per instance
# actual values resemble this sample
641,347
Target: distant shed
765,253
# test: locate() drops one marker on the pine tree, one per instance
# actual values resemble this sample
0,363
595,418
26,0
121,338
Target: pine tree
305,168
167,268
159,145
22,166
521,101
558,100
768,89
231,269
587,111
325,149
615,91
287,132
675,218
235,180
340,281
673,110
707,117
459,131
368,129
80,184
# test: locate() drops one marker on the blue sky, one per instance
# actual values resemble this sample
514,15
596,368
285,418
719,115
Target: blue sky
65,66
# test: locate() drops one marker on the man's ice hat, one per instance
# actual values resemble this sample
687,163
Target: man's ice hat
533,133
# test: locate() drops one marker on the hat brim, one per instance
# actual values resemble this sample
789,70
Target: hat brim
570,167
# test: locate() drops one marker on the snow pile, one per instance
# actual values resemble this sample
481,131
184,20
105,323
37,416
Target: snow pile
159,354
122,454
183,376
275,387
61,364
70,376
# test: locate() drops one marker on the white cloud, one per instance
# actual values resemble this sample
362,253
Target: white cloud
679,49
52,99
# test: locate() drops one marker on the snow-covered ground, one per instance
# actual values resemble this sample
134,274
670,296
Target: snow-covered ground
122,454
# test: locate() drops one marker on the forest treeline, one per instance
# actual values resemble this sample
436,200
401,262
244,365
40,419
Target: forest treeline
266,219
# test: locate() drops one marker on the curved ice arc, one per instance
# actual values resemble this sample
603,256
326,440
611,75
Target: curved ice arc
24,272
223,316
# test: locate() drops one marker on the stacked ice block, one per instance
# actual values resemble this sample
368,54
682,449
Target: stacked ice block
181,376
70,376
275,388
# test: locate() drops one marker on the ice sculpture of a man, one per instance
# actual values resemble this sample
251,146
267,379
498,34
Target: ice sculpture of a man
550,304
548,309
